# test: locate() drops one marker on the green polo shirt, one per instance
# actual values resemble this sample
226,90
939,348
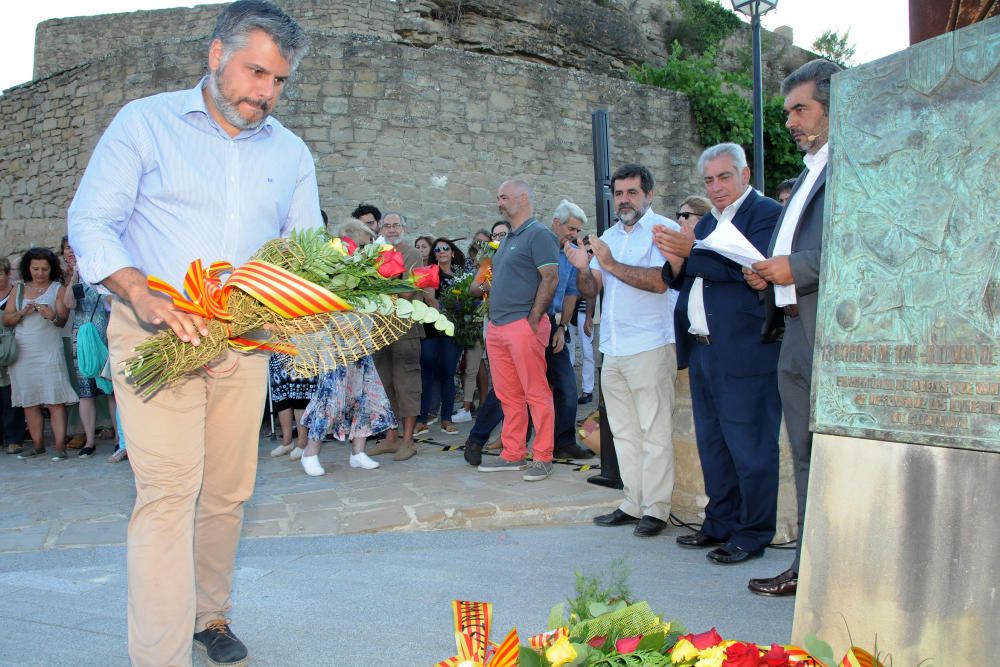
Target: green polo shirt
515,270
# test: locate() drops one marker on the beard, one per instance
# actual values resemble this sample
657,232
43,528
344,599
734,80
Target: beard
629,216
230,108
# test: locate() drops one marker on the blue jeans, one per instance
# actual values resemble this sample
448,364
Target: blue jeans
562,379
438,360
488,418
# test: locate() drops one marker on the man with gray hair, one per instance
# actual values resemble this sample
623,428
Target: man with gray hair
398,365
205,174
732,370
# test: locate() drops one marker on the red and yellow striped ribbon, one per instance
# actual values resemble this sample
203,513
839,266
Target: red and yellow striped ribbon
544,640
799,657
858,657
473,619
507,653
207,295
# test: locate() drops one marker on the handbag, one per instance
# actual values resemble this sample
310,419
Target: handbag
8,344
91,352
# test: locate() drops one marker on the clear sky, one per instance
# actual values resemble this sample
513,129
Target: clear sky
877,27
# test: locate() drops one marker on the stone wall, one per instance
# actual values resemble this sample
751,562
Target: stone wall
431,132
597,36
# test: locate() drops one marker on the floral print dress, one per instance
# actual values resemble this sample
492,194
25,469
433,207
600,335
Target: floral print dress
350,402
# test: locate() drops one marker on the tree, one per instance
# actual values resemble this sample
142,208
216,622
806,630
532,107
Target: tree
836,47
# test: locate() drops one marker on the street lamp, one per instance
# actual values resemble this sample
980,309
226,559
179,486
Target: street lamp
755,9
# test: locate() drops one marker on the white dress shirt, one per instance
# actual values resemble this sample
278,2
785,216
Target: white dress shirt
784,295
634,320
696,298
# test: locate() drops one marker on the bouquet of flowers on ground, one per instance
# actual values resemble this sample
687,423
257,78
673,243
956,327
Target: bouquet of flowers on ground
321,300
464,310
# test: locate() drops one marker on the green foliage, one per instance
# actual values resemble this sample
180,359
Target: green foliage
702,25
602,591
836,47
636,659
722,109
819,649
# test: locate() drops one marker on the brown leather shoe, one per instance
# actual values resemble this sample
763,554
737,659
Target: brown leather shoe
383,447
784,584
405,451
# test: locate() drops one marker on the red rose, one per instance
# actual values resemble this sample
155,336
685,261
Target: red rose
426,276
741,655
598,641
349,243
629,644
705,640
776,657
390,263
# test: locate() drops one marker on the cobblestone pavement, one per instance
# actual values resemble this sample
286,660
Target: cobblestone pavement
48,504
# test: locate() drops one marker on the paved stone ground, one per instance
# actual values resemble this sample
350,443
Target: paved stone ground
353,568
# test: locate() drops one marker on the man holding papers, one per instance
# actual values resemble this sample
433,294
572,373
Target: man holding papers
733,373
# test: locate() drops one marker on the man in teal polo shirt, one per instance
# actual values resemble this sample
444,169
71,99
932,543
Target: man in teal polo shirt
525,275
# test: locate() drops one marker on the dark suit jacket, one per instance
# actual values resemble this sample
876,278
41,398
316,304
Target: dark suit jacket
807,248
735,311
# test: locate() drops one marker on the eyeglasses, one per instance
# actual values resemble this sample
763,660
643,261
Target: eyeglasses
498,235
392,225
684,215
442,248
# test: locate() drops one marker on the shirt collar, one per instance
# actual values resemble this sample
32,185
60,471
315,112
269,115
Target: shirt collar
645,222
732,208
818,159
194,103
527,223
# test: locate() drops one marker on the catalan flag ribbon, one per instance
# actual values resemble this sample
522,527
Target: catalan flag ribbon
472,633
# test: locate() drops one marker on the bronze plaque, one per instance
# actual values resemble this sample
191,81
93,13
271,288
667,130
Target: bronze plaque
908,332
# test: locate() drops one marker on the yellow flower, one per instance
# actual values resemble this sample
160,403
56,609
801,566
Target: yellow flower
711,657
494,244
338,245
386,246
684,651
666,627
561,652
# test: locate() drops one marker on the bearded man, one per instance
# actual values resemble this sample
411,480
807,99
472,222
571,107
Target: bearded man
205,174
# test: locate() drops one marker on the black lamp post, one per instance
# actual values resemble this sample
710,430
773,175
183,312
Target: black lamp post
755,9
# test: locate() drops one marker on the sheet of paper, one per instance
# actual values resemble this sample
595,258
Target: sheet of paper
728,242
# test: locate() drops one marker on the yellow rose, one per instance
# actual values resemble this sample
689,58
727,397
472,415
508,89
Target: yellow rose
684,651
338,245
711,657
386,246
561,652
494,244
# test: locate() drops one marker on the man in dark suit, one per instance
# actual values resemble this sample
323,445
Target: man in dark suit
790,280
733,372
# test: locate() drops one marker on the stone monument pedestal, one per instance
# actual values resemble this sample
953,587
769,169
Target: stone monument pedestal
902,546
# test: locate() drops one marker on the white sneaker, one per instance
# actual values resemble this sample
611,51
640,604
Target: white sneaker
461,416
362,460
312,467
432,419
296,454
281,450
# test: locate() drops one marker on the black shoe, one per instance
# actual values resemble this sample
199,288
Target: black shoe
649,526
786,583
87,452
730,554
224,649
573,451
616,518
473,452
584,398
698,540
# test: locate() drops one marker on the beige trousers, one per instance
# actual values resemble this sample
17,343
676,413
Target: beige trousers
193,450
639,396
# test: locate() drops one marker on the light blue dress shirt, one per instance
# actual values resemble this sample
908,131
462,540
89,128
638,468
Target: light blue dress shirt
634,320
166,185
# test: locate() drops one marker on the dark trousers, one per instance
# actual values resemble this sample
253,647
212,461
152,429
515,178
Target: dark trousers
488,417
11,420
562,379
736,422
438,361
794,384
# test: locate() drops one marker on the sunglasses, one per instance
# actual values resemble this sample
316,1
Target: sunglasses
686,214
442,248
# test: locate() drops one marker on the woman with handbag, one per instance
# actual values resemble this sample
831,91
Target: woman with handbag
89,307
39,376
11,418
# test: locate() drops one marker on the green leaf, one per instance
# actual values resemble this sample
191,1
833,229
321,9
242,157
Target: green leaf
528,658
819,649
651,642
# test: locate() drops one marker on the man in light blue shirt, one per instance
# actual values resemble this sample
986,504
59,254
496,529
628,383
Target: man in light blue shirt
197,174
637,340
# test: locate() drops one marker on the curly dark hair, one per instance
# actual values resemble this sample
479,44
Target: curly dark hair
457,257
55,269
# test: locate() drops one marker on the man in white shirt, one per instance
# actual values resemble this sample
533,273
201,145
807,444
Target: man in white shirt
793,270
637,340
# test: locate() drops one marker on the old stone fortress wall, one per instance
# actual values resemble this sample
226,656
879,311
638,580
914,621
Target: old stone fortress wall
419,106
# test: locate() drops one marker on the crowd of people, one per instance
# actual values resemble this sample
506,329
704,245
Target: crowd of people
745,333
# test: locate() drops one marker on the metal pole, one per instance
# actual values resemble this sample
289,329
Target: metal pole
610,474
758,105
